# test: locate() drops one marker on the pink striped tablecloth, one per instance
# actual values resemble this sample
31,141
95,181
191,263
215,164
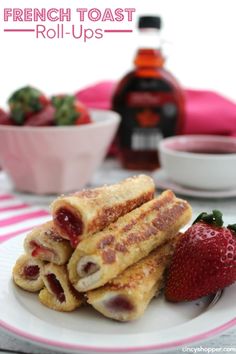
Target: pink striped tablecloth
17,217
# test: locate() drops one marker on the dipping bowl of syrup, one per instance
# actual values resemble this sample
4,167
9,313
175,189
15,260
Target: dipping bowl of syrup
200,161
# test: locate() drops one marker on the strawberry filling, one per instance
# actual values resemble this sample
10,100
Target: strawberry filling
31,272
87,267
90,268
119,304
56,287
38,250
70,224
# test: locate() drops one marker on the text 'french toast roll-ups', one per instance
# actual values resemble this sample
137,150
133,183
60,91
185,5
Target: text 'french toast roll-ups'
102,257
90,211
45,243
58,293
27,273
126,297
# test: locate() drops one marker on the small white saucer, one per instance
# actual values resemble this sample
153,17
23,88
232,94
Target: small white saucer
163,182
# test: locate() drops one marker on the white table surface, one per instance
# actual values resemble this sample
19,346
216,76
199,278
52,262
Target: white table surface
108,173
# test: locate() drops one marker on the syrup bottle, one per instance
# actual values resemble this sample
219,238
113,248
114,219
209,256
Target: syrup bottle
149,100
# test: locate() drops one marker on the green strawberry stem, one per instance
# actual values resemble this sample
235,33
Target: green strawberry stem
215,218
66,113
232,227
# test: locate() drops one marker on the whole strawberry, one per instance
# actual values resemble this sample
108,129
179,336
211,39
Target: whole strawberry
26,102
204,260
69,111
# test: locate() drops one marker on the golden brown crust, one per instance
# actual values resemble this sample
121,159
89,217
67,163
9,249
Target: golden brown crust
100,207
45,243
26,279
68,299
113,250
127,296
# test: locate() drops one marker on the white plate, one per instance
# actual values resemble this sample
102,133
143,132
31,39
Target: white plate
163,326
163,182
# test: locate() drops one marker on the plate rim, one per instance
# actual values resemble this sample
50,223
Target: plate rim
63,345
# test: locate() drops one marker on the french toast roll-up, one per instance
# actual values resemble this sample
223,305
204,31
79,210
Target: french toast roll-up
126,297
89,211
27,273
46,244
58,293
102,257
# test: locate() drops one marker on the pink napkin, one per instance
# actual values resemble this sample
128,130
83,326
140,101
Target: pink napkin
209,113
206,112
97,96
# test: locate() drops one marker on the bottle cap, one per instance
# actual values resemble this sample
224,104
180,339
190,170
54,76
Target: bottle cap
149,22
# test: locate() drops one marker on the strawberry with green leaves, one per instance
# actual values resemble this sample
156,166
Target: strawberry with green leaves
204,260
69,111
25,102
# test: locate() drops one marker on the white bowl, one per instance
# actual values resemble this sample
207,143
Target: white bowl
200,161
56,159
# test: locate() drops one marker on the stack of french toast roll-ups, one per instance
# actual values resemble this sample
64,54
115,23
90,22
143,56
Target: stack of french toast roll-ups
108,247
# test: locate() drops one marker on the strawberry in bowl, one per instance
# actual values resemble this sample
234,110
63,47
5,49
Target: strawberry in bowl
69,111
30,107
204,260
42,118
26,102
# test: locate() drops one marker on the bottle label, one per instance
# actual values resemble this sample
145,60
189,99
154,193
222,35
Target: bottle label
147,117
145,139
